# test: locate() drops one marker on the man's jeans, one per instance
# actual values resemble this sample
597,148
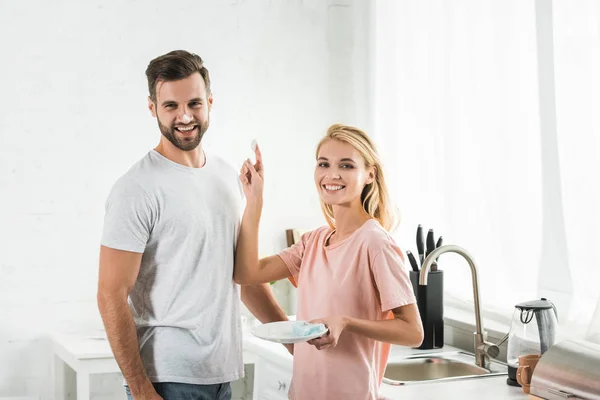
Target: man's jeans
184,391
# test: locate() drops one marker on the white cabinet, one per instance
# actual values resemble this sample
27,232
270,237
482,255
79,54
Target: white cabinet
271,380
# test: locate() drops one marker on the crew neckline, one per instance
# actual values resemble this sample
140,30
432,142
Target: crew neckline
181,166
342,242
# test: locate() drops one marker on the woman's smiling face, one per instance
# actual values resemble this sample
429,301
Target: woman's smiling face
341,174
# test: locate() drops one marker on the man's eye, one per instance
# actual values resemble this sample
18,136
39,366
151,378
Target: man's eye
195,104
170,106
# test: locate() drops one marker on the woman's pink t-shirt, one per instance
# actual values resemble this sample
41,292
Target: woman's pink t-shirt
363,277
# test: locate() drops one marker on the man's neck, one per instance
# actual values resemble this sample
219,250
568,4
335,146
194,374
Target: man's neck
193,158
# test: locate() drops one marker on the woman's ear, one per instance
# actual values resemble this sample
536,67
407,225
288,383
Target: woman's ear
372,174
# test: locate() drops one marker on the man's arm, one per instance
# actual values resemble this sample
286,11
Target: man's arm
118,272
262,304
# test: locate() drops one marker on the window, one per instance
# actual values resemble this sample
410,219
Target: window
486,115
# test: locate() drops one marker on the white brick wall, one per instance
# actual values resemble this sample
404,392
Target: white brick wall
73,118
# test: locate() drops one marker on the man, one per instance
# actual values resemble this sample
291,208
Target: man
168,246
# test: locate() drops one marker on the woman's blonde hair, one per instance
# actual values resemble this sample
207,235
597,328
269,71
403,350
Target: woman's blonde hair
375,197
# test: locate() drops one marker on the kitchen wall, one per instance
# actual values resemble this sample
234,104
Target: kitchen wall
73,118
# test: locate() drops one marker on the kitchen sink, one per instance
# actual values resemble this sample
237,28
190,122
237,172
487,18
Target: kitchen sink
438,367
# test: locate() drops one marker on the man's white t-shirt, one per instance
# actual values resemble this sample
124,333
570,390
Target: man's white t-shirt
185,304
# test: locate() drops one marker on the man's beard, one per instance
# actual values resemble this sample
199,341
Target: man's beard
185,143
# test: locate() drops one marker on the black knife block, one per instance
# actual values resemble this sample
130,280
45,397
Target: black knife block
430,300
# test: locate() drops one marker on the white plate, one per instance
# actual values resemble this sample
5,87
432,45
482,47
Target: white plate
289,331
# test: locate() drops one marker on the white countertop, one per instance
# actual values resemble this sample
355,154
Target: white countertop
490,388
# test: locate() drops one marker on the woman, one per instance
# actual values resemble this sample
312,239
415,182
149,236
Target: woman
350,274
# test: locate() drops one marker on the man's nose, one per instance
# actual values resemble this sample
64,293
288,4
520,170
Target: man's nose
185,116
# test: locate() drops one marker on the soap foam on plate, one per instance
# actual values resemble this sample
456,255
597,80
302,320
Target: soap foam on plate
307,329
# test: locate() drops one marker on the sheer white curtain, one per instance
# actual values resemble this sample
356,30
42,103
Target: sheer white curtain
577,72
458,107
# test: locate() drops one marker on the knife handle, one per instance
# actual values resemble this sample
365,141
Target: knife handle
439,244
420,243
430,243
413,262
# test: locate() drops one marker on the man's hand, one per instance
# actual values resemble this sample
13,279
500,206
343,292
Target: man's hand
146,392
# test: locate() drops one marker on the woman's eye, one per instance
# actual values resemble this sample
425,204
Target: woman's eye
347,166
323,165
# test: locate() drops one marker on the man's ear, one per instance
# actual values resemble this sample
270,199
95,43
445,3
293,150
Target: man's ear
210,101
152,107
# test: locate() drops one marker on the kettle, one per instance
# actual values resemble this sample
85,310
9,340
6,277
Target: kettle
532,331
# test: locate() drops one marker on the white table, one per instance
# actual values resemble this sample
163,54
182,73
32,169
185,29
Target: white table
86,355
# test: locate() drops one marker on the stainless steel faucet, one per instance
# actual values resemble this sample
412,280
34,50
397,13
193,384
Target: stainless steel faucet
483,349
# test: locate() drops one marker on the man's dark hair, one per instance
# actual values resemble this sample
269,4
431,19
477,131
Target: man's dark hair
173,66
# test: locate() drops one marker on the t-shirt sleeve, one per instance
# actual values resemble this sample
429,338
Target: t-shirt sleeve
391,278
128,218
292,257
